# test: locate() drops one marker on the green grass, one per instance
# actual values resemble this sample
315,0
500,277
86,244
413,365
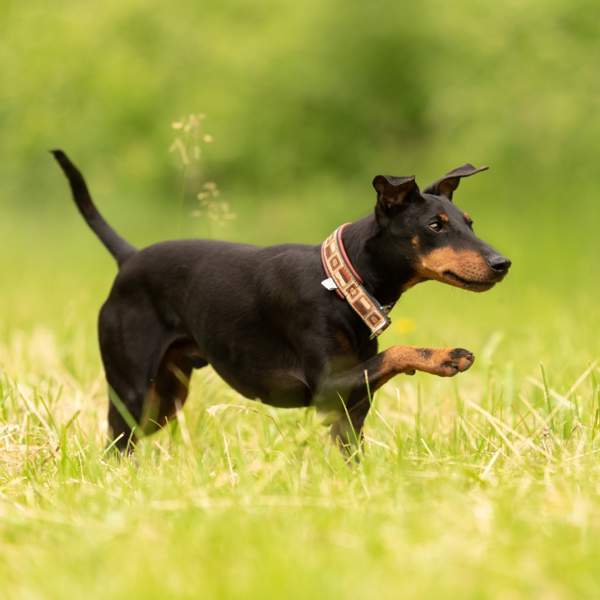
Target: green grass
486,485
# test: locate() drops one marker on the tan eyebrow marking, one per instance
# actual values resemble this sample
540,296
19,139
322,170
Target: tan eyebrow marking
468,218
443,217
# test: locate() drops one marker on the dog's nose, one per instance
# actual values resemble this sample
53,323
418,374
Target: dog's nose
499,263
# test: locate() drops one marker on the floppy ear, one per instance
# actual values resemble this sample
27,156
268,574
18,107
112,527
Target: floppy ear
392,194
449,182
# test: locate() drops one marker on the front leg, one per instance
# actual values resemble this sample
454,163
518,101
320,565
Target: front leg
354,387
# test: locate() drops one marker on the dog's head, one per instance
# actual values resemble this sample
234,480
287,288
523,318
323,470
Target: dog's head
436,238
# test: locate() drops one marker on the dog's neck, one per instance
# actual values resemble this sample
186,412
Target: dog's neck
365,246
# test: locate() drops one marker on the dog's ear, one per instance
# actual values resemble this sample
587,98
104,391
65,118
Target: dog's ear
392,194
449,182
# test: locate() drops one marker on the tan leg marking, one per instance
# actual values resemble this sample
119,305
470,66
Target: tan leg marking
444,362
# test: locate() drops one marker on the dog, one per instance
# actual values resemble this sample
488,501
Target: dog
291,325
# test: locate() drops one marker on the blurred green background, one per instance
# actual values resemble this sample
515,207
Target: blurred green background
306,102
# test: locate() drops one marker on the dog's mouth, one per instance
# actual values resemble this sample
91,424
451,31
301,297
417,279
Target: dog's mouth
468,284
466,269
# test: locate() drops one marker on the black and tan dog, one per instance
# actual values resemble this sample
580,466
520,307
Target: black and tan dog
291,325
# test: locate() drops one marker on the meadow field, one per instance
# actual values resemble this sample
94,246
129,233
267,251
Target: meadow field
486,485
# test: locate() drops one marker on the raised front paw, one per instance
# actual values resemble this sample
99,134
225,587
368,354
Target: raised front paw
450,362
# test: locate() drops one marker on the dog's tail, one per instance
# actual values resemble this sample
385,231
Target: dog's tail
115,244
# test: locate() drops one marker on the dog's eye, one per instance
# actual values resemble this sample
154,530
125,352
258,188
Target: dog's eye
436,226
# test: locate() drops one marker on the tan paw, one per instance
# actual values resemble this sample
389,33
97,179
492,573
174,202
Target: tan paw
452,362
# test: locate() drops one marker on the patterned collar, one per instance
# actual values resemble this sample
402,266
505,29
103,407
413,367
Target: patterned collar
347,283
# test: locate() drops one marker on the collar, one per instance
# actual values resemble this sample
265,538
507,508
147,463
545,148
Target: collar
348,285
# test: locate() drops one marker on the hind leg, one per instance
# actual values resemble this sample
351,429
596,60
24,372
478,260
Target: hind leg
169,389
147,368
130,338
